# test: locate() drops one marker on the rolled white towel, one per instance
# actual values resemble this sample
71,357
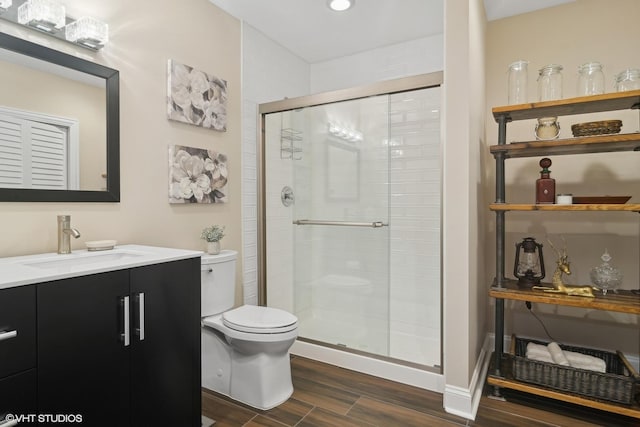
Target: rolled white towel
538,352
538,349
557,354
585,361
540,357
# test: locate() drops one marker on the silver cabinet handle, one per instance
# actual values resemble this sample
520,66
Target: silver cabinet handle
125,335
140,328
7,335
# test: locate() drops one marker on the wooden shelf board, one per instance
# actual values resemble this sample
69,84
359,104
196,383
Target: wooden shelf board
629,411
570,106
623,302
582,145
622,207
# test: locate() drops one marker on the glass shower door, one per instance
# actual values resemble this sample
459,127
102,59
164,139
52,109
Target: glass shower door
341,233
353,223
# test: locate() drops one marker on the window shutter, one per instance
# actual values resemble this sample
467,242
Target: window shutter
48,156
32,154
11,153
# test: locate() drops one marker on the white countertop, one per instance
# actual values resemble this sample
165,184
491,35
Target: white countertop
29,269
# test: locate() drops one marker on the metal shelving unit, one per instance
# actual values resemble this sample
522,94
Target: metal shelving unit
502,289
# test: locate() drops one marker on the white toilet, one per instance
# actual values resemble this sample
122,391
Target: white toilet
245,351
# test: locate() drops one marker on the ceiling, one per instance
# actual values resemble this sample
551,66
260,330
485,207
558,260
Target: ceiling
314,33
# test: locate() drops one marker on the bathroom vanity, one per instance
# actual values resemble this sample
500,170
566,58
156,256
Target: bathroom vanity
111,336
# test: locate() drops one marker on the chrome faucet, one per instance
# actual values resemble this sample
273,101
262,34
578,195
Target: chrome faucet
64,233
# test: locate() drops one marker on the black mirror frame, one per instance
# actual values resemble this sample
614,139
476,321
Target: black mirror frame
112,79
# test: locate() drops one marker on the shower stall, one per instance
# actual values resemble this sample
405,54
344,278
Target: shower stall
350,219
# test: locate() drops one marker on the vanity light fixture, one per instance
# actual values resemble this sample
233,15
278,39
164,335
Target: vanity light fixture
88,32
340,5
43,15
346,134
50,17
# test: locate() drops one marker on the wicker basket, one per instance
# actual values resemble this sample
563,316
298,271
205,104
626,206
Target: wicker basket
603,127
619,384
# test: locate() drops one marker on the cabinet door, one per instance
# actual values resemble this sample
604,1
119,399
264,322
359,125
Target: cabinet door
83,364
166,360
17,330
18,396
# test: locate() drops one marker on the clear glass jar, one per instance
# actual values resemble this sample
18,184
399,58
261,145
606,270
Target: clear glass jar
629,79
550,82
518,82
590,79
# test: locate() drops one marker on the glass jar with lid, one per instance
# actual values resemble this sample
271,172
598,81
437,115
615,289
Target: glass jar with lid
550,82
518,82
629,79
590,79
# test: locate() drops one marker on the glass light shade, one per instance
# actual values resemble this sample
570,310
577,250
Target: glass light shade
5,4
340,5
88,31
43,15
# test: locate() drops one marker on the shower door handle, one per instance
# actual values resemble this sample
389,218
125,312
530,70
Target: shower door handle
375,224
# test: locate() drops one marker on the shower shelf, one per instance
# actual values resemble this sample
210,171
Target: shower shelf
288,148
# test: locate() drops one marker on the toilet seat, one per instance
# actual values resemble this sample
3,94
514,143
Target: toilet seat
259,320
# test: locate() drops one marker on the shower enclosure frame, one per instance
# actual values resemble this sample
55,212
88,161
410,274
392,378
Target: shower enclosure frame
387,87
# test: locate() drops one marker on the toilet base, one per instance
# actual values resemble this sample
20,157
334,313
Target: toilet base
261,380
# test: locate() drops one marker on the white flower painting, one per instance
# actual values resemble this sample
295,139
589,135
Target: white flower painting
197,175
196,97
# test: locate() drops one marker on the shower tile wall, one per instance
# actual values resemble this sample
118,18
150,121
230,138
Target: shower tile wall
263,80
279,239
415,193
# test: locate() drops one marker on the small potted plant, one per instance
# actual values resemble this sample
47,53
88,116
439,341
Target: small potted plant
212,235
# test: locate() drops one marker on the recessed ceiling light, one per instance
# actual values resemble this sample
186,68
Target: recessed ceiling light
340,5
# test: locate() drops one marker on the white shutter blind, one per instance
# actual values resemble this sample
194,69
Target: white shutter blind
32,154
48,156
11,153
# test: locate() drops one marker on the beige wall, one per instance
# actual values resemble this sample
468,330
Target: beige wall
142,39
463,294
572,34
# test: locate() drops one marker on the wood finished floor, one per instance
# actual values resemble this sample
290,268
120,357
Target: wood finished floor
328,396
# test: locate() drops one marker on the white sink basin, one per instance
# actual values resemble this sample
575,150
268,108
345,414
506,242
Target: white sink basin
79,259
47,267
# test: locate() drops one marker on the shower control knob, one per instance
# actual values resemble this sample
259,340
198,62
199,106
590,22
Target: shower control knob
286,196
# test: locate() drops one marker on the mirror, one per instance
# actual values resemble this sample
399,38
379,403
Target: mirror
59,126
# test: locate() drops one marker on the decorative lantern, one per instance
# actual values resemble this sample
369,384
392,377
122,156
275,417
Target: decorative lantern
529,264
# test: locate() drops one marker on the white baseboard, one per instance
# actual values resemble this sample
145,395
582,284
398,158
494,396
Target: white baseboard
379,368
464,402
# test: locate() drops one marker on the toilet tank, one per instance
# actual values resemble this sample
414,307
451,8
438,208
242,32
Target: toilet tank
218,282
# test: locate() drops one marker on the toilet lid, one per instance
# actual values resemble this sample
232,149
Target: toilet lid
260,320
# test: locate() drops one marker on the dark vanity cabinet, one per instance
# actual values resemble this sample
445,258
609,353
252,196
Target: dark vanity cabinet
165,362
83,364
17,351
120,347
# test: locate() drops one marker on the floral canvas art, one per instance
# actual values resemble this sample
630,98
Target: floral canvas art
196,97
197,175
